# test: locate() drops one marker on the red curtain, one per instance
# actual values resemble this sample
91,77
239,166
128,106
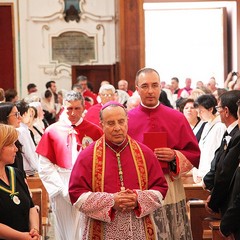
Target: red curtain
7,69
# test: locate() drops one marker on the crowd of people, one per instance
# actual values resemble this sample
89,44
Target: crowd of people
104,180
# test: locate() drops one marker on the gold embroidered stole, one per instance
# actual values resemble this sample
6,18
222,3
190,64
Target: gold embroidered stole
98,173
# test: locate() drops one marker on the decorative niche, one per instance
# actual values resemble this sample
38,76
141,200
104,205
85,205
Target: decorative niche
74,48
72,10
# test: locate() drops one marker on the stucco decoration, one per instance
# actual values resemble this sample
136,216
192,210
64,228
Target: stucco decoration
60,13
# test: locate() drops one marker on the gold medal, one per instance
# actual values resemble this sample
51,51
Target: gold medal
12,188
16,200
86,141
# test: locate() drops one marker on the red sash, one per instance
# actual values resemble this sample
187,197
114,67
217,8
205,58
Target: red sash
96,228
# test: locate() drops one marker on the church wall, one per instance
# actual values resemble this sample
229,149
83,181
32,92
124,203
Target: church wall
117,25
39,21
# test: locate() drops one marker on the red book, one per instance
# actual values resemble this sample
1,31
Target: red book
156,140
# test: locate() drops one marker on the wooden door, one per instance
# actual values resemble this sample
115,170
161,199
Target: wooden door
96,74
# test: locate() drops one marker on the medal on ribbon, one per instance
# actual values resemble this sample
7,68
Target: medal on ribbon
12,188
16,200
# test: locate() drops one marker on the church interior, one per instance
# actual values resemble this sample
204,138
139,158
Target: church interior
42,40
110,40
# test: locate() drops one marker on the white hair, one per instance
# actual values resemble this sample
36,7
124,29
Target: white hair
122,96
107,87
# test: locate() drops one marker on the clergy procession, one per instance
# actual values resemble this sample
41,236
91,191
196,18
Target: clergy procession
118,164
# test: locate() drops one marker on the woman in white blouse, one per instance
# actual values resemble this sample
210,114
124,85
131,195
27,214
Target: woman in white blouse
211,136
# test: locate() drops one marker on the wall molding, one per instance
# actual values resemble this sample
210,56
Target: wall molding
84,15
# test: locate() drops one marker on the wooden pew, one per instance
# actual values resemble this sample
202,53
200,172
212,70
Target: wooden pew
214,226
195,191
35,182
197,217
37,200
195,198
204,225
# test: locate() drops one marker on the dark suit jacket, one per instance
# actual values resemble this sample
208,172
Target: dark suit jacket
222,170
219,153
230,222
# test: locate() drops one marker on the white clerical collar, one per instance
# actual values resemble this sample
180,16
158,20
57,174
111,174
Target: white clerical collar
150,107
232,126
66,120
119,144
79,122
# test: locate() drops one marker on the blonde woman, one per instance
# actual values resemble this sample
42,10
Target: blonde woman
18,216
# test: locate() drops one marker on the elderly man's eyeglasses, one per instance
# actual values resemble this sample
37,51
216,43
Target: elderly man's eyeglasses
107,95
16,114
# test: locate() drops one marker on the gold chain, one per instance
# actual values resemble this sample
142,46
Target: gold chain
120,171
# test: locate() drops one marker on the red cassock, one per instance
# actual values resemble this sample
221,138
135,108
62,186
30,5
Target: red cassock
92,114
164,119
180,137
54,143
92,96
97,206
82,174
129,92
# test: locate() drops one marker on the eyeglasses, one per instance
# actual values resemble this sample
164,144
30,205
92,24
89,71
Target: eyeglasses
107,95
218,108
16,114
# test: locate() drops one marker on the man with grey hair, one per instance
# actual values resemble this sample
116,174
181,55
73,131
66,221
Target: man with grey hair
118,188
106,94
83,82
78,88
212,85
58,149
